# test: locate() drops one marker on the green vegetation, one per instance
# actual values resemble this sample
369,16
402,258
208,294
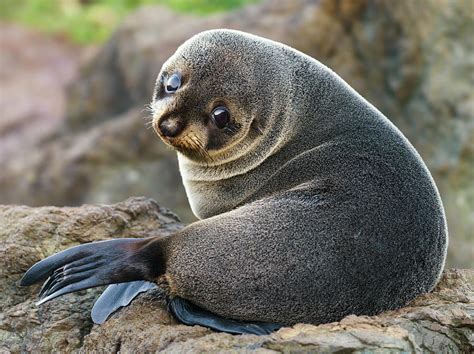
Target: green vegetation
88,21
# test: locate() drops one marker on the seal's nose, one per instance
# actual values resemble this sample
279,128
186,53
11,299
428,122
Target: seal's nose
171,126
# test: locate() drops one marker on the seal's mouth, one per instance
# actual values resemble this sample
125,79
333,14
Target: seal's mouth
188,143
190,146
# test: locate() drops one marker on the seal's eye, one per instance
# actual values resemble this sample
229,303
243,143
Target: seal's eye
221,116
173,83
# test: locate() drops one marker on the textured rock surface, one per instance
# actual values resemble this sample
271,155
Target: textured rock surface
413,60
441,322
27,235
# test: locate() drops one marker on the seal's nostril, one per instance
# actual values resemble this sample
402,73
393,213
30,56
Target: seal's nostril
171,127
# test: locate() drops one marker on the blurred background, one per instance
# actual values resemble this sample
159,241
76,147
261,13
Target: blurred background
76,75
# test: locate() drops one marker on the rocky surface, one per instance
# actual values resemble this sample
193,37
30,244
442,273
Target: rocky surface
28,235
412,60
440,322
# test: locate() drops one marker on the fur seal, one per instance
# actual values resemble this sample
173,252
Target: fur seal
313,204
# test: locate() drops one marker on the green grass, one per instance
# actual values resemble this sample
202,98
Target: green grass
92,21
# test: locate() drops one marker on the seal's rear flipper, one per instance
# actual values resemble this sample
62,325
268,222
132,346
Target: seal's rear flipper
191,314
117,296
90,265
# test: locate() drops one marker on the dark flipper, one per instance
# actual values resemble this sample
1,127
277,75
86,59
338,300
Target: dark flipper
89,265
191,314
123,261
117,296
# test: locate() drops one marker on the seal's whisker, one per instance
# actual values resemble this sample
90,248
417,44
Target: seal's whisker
149,124
202,151
148,119
194,146
150,105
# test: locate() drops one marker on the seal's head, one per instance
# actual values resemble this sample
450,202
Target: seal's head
237,107
212,98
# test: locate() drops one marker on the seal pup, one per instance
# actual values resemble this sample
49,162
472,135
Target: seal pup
314,205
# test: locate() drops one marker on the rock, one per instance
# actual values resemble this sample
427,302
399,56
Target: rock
34,72
412,60
442,321
28,235
111,160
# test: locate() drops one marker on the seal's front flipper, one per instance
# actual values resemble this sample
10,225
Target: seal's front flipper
191,314
91,265
117,296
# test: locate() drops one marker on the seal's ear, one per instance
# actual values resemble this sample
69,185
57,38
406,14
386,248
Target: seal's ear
256,127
